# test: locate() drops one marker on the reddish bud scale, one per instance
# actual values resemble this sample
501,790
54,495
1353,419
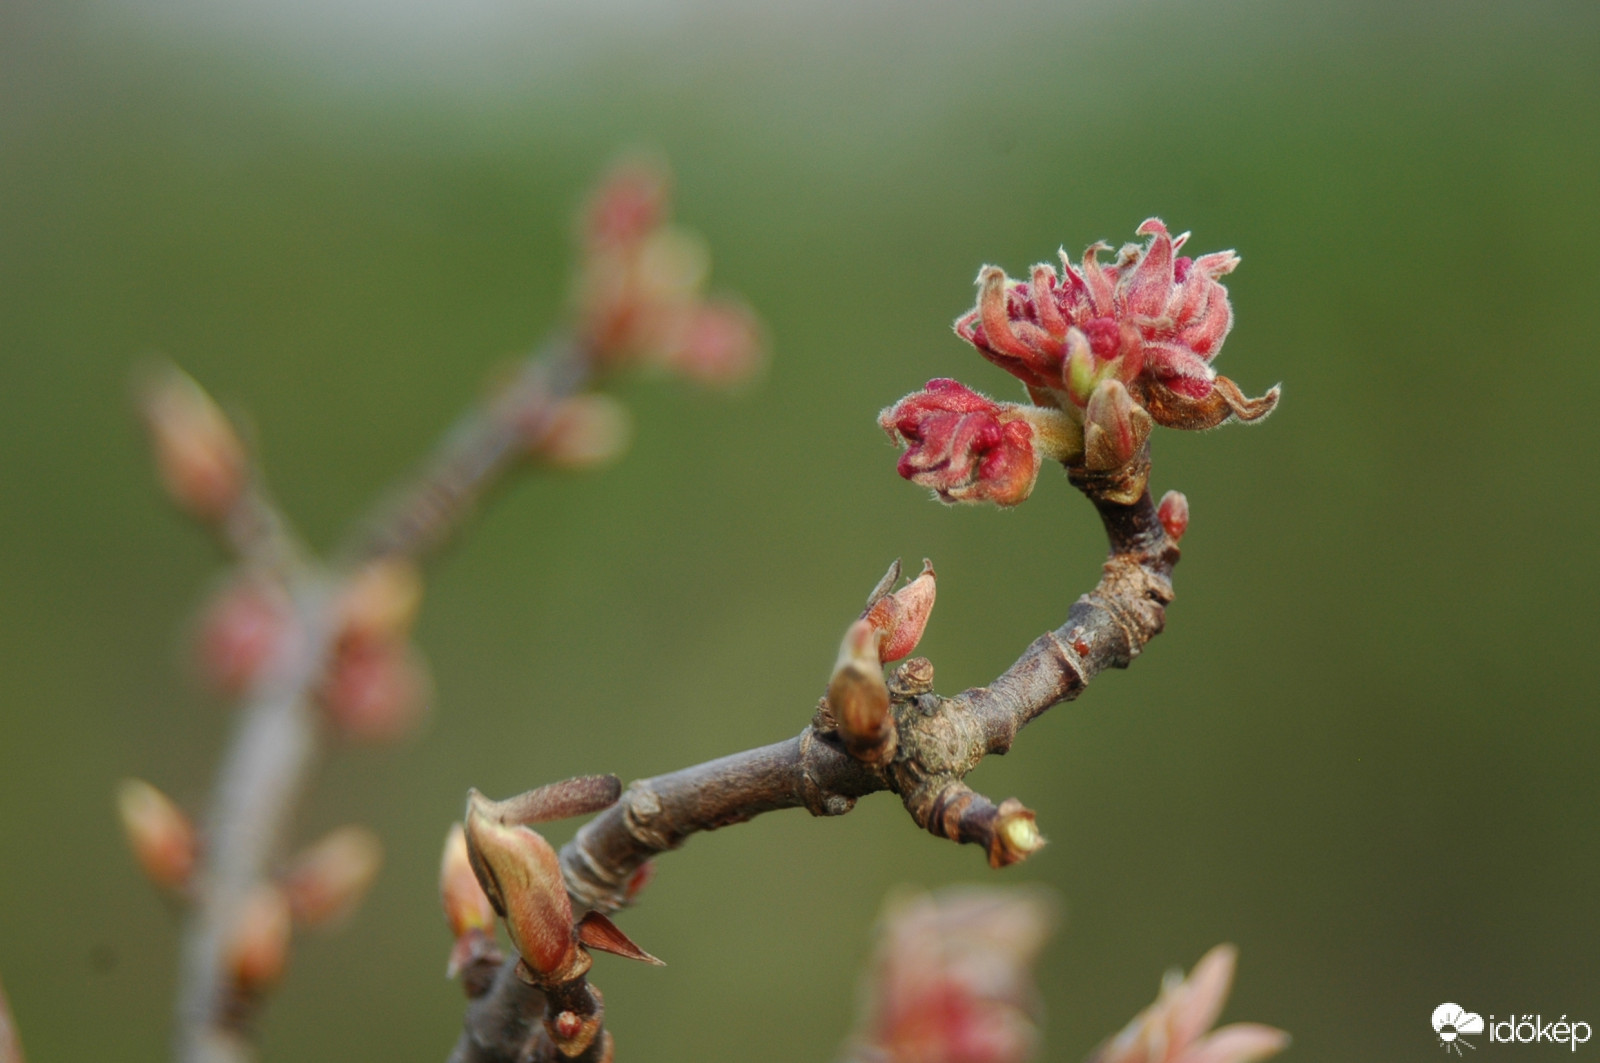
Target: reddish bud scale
466,906
901,617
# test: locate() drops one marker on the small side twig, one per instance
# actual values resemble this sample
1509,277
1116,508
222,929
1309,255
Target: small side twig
940,740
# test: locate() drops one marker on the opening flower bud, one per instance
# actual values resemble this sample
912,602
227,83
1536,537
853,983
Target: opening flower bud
963,445
327,881
159,833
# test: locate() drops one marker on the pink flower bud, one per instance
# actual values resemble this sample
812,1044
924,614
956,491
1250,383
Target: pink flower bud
1151,320
1174,514
161,836
901,617
720,344
198,454
327,881
1113,427
629,203
241,630
258,951
966,447
376,691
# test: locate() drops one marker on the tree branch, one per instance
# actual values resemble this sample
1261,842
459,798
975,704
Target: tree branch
280,733
940,740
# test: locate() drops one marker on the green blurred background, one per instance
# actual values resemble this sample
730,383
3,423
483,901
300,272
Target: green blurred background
1364,750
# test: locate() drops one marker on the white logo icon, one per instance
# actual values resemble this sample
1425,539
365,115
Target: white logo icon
1451,1022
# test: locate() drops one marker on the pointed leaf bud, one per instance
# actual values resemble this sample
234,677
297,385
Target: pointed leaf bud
859,698
1174,514
521,875
1016,834
466,906
901,617
327,881
584,432
258,951
198,454
160,835
1114,428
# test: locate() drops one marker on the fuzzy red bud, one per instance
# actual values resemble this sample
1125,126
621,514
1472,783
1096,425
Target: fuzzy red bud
1174,514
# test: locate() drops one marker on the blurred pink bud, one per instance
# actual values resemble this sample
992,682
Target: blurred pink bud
858,697
258,951
327,881
953,982
521,875
159,833
966,447
1113,427
628,204
901,617
1174,1028
721,344
198,454
1151,320
376,691
1174,514
241,629
583,432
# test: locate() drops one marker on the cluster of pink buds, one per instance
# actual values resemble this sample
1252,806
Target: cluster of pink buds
1104,350
377,687
887,630
953,979
640,297
520,876
1177,1027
